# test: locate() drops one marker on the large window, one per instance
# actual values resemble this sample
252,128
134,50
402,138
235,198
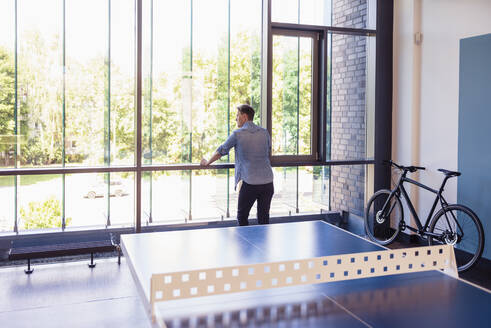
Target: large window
294,94
67,101
201,59
79,83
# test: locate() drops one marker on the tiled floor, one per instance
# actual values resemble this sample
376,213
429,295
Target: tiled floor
71,295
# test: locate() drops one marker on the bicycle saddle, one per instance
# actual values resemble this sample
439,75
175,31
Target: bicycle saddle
450,173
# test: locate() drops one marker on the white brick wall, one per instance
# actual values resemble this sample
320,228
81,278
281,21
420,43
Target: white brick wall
348,107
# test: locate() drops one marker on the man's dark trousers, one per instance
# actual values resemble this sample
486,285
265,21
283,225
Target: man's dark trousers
248,194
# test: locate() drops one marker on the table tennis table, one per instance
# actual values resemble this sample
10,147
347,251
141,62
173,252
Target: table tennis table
428,299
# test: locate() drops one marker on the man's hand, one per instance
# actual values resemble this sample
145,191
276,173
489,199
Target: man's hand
213,158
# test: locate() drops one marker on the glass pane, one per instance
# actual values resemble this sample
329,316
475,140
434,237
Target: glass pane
316,12
210,76
40,202
284,11
86,200
234,197
285,191
7,89
340,13
192,89
165,197
313,12
292,95
313,189
7,203
245,57
209,195
352,100
40,84
86,82
121,199
167,81
122,87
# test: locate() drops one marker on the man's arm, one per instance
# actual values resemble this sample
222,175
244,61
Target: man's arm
221,151
216,156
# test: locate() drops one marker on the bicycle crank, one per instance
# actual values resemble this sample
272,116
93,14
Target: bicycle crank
379,217
451,238
402,225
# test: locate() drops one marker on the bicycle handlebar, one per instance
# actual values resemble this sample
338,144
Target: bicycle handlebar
405,168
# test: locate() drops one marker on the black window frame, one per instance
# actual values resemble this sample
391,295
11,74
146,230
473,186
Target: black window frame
315,108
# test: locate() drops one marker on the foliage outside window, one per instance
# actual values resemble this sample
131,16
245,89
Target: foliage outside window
41,215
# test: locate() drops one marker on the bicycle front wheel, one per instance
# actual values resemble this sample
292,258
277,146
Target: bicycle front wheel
459,226
383,216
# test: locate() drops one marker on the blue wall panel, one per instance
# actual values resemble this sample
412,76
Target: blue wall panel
474,186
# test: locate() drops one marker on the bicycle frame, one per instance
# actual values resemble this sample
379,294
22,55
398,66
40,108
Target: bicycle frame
385,220
399,189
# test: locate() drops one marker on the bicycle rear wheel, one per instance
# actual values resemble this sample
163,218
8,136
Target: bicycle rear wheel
382,222
459,226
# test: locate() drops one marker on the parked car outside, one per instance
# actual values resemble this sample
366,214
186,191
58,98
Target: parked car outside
117,189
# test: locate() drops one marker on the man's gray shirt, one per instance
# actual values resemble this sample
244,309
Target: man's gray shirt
252,149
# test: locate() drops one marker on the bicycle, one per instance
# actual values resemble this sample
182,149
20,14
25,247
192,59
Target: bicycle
453,224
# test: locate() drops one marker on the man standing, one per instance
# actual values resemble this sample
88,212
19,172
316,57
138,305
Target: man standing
252,165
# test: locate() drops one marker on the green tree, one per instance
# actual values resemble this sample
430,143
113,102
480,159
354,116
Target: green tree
122,117
217,84
85,101
292,84
44,214
7,104
245,73
41,99
40,90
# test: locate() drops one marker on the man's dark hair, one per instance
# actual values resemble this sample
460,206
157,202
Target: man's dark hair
248,110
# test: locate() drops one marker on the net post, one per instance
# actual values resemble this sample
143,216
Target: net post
451,265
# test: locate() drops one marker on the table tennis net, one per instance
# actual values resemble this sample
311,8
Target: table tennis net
324,269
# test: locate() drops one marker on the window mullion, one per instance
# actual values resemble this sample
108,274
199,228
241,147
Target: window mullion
138,112
63,121
16,126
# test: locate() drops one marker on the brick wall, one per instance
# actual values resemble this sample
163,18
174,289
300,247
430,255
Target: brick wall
348,107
